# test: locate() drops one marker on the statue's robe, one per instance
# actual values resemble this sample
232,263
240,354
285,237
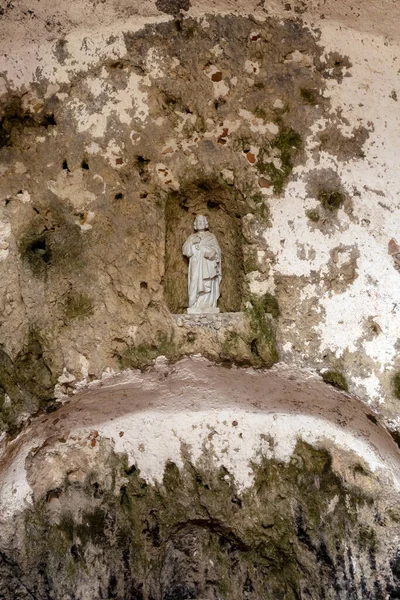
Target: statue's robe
204,269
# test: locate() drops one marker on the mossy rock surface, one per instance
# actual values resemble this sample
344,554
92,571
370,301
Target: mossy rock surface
194,535
336,379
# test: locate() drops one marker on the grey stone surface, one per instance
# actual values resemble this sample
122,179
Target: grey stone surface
210,321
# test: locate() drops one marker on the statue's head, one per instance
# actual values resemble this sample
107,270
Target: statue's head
200,223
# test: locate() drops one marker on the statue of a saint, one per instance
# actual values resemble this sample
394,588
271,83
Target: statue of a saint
204,278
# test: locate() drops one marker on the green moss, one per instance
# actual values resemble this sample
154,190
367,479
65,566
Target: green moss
260,112
331,199
396,385
313,215
271,305
78,306
92,527
28,381
288,142
336,379
172,480
257,198
367,539
229,345
309,96
263,342
137,357
243,143
250,259
33,368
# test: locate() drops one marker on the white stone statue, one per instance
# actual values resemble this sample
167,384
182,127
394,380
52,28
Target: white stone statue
204,278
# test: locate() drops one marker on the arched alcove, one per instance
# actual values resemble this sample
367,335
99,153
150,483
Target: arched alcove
220,204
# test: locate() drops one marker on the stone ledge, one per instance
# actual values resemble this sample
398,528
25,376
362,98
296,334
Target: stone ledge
209,321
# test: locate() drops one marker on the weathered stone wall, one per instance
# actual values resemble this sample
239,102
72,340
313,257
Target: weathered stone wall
288,129
118,123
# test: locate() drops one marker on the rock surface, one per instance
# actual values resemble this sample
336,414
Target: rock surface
119,121
196,481
260,123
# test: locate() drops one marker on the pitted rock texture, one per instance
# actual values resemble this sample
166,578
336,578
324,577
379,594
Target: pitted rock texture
281,132
88,195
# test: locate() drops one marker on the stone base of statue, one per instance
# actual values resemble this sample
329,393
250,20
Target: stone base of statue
206,310
215,322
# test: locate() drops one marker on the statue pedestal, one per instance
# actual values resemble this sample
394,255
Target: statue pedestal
209,321
202,311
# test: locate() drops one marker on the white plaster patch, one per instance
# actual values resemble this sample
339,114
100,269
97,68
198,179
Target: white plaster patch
238,417
260,286
369,386
153,64
365,98
126,104
114,154
237,438
5,232
217,50
299,57
257,125
221,88
24,196
71,186
83,49
20,168
252,67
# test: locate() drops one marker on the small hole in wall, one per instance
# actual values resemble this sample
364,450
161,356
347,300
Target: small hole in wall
118,64
372,418
212,205
130,470
143,285
118,196
65,165
48,120
84,165
141,160
53,494
40,249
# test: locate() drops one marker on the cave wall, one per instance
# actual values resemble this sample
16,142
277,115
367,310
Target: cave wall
119,122
294,115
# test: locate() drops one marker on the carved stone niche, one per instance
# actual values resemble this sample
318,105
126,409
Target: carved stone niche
224,207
